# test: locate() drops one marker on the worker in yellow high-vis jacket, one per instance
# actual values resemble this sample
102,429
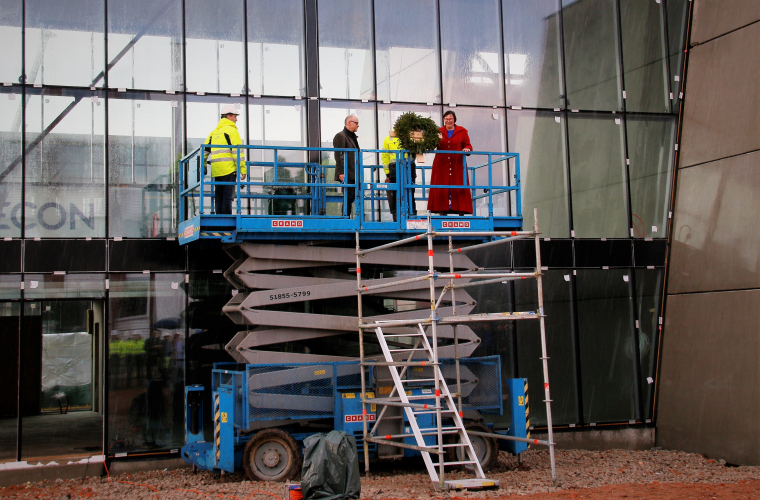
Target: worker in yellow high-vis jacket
224,160
391,143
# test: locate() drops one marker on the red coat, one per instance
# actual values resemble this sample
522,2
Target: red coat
448,169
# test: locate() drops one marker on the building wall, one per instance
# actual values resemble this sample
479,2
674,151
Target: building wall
710,381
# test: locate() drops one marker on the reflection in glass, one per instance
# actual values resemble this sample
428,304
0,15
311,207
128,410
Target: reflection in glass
276,47
487,130
644,56
345,49
203,115
591,55
65,168
146,37
69,286
9,286
649,283
146,376
332,116
597,174
677,12
471,52
10,161
532,53
406,51
606,345
144,145
277,122
560,347
650,146
539,137
214,44
67,417
10,34
64,45
9,335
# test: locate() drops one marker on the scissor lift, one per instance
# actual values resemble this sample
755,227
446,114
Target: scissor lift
312,237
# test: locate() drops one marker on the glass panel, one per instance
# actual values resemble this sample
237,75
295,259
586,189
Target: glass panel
9,318
146,37
146,375
68,286
345,49
650,146
560,347
487,130
144,144
533,53
606,345
10,162
406,51
203,115
649,284
539,137
277,122
597,174
678,12
471,52
209,333
215,53
332,117
64,42
10,34
644,56
591,55
66,417
387,114
276,48
65,171
9,286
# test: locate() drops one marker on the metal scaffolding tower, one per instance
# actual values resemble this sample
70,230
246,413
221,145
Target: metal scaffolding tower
424,352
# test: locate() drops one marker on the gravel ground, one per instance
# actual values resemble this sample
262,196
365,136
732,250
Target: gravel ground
582,474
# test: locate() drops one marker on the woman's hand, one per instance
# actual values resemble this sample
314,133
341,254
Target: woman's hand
466,150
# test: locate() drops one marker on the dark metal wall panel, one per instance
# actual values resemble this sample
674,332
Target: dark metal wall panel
10,256
47,256
554,253
716,228
649,253
207,256
146,255
598,253
720,109
710,380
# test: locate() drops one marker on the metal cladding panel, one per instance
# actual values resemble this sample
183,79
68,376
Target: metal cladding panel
709,387
718,17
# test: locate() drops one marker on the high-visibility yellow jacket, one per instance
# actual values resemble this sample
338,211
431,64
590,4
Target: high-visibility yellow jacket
390,143
223,160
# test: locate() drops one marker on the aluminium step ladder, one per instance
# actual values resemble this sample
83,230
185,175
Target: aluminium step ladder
444,407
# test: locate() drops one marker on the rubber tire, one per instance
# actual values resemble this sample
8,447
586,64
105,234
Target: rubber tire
486,448
283,442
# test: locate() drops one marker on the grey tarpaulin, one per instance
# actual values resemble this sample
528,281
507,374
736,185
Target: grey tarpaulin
330,467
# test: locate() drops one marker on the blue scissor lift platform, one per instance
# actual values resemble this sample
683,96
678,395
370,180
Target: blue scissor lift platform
289,197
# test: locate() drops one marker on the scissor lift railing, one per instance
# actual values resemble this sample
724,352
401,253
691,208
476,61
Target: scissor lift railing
430,349
317,206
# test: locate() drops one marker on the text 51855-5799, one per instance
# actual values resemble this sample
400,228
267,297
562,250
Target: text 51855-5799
288,295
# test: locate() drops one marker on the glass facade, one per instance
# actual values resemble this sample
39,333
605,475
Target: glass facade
100,99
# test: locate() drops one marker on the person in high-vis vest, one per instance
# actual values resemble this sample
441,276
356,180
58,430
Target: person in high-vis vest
391,143
224,160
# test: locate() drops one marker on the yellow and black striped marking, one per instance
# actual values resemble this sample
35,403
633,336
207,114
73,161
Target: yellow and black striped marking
217,427
216,234
527,413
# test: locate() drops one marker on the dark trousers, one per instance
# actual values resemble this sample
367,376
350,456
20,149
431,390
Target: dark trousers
350,199
392,193
223,194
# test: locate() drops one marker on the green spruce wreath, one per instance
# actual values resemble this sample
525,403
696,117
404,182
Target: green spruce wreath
411,122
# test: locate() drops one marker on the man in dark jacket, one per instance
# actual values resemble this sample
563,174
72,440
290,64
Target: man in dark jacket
347,138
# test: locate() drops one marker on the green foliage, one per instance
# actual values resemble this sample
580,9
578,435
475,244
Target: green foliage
412,122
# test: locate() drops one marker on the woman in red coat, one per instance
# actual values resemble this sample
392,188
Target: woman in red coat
449,170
